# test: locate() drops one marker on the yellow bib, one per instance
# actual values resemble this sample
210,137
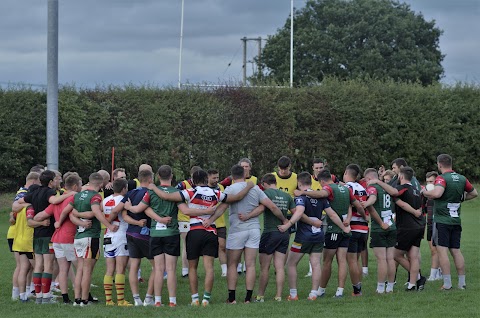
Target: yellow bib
287,185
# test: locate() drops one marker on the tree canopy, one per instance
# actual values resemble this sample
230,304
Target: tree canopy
355,39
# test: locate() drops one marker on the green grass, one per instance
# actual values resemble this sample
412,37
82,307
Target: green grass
429,303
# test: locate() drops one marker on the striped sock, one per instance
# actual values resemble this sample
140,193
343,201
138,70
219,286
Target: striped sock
120,286
108,286
46,283
207,295
37,282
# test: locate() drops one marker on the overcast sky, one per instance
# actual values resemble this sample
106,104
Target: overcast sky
126,41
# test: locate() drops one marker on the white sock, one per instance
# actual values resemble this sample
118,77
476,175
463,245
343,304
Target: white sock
139,273
32,286
461,281
184,271
313,293
339,292
309,267
244,267
224,268
15,292
390,287
27,290
410,286
195,297
447,281
158,299
419,276
173,300
433,272
148,296
380,288
23,296
239,267
320,291
293,292
39,295
136,297
365,270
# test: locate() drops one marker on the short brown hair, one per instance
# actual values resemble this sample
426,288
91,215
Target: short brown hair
431,174
269,179
72,180
96,179
445,160
119,185
145,175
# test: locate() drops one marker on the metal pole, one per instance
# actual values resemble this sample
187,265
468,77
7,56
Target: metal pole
52,85
244,39
181,48
291,43
259,57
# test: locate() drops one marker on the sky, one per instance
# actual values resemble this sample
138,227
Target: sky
104,42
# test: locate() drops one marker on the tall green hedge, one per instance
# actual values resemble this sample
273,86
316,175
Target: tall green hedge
364,122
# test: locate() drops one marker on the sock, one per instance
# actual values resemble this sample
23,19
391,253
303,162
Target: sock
248,297
357,289
195,297
447,281
120,286
390,287
136,298
15,292
139,273
293,292
231,295
244,267
339,292
239,268
380,288
85,301
46,283
37,282
184,271
108,287
320,291
78,301
419,276
148,296
433,272
158,299
173,300
65,298
461,281
410,286
206,295
313,293
28,290
23,296
224,268
309,267
365,270
90,297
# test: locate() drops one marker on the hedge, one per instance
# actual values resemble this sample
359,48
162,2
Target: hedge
365,122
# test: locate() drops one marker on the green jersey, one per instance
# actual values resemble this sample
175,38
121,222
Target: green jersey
383,206
447,208
162,208
83,202
284,202
340,198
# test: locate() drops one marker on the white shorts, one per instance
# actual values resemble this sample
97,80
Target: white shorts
184,227
117,247
64,250
87,247
240,240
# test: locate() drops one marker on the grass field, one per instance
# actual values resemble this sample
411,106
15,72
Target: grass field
429,303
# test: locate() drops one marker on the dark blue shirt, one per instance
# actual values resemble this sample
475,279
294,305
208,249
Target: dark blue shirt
136,196
313,209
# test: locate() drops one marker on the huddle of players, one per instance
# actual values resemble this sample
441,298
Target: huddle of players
149,218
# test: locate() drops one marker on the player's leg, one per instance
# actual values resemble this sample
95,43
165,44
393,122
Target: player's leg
328,255
293,258
47,276
185,265
382,268
78,280
133,279
22,275
265,261
233,257
391,269
159,268
120,266
88,265
37,276
414,259
315,261
279,264
342,269
222,251
63,267
193,279
110,264
171,266
15,286
251,250
208,263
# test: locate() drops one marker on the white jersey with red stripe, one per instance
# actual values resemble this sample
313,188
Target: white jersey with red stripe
202,197
108,204
358,223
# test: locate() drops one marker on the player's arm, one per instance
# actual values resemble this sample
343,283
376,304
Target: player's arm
83,215
299,212
336,219
376,217
408,208
360,210
18,205
471,195
436,193
41,216
12,218
388,188
275,210
154,216
97,212
79,222
218,213
31,222
139,208
196,212
174,196
240,195
127,218
371,201
66,211
313,222
318,194
254,213
118,208
54,199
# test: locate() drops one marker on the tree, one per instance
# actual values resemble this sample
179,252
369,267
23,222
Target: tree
355,39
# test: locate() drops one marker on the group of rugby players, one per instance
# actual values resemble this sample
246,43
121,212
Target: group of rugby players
54,227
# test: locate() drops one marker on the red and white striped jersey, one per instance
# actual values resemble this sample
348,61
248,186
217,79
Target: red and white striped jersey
202,197
358,223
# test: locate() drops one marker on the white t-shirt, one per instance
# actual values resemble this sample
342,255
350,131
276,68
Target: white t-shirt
109,203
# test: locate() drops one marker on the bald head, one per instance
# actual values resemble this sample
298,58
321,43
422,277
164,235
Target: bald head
146,167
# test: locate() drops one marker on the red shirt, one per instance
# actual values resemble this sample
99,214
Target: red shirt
66,233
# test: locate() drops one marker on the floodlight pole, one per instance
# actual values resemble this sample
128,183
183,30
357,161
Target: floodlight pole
181,48
52,85
291,43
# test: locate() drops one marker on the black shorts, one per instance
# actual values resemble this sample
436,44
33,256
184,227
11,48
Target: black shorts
408,238
429,232
10,244
336,240
358,242
383,239
201,243
272,242
138,248
222,232
165,245
448,235
28,254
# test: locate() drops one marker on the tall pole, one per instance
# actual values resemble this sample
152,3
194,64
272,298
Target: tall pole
259,57
291,43
244,39
52,85
181,48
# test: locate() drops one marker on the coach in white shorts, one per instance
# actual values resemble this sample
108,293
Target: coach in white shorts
244,230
